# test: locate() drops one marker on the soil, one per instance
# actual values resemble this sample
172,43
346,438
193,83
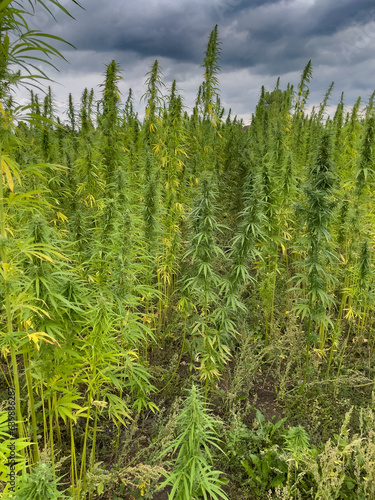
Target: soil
263,398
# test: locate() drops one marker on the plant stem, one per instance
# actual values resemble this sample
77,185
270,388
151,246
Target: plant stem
29,384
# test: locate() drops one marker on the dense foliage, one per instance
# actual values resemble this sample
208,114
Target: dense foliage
171,285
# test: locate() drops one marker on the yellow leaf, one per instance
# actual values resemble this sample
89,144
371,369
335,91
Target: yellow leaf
5,116
4,352
62,217
350,313
100,404
5,170
36,336
12,167
132,353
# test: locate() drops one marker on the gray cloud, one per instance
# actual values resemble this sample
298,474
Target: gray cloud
261,39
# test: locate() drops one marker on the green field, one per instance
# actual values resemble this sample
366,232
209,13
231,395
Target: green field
187,304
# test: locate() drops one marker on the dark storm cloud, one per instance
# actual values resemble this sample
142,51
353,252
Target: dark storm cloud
261,39
150,28
279,35
283,35
336,15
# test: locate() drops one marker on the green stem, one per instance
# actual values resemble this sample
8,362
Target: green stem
73,469
82,475
307,358
51,433
17,395
92,461
274,285
322,336
29,384
343,300
94,438
58,432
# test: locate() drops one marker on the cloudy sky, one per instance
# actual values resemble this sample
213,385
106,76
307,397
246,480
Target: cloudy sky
260,40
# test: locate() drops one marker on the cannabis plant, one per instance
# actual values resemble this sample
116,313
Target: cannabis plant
193,476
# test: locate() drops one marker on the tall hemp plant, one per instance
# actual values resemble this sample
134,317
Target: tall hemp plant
88,185
209,343
153,162
298,139
171,151
276,110
364,177
354,228
244,245
206,137
317,214
22,49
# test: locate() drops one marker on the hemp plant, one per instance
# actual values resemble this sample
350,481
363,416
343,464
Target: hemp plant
109,122
210,342
193,475
171,152
244,245
317,215
154,103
